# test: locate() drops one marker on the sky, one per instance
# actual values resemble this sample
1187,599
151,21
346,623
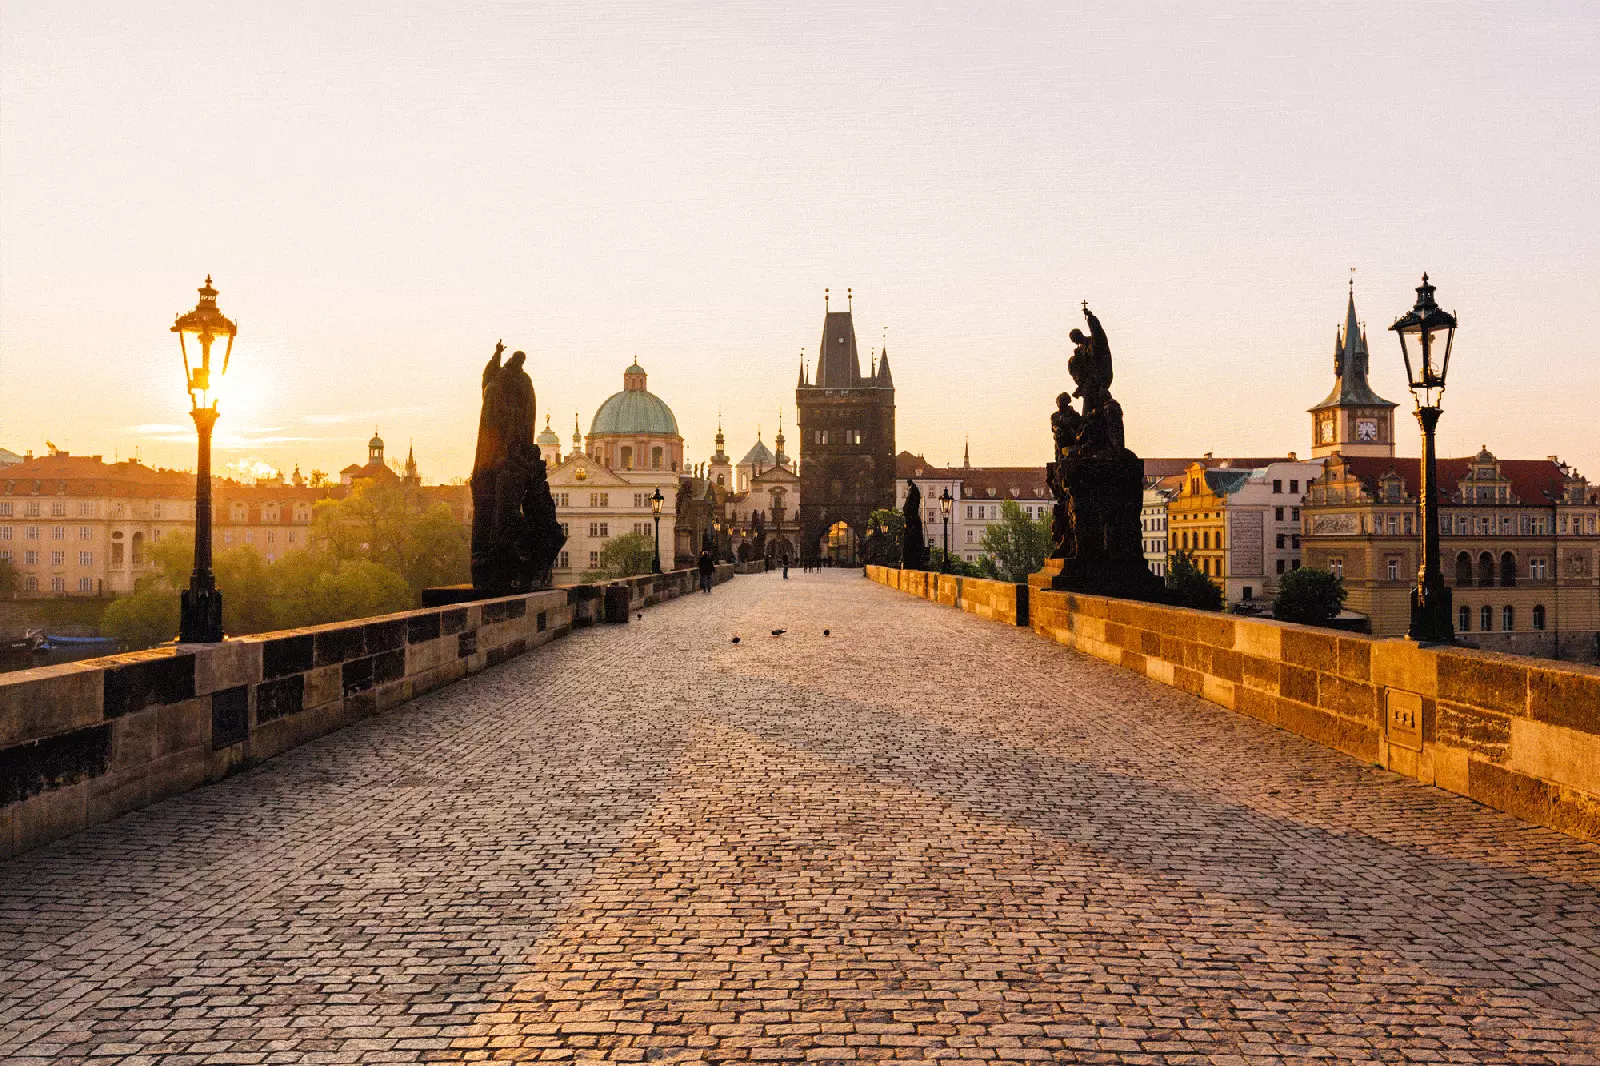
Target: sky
382,191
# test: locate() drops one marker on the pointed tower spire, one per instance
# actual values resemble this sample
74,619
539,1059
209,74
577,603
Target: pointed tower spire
577,434
780,458
802,366
966,454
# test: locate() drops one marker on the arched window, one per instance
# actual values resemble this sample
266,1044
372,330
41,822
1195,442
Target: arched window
1508,569
116,549
1463,571
1538,616
1485,570
137,552
627,458
1508,618
655,458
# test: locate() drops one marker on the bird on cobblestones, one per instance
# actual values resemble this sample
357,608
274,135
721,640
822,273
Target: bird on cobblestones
826,633
641,616
736,640
778,632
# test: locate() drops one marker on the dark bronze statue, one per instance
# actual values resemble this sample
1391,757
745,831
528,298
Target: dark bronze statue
515,535
1098,484
913,544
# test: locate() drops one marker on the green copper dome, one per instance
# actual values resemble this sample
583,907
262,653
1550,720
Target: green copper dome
635,410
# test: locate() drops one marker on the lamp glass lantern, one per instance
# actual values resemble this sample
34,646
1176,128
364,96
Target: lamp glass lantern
945,502
206,325
655,502
1423,331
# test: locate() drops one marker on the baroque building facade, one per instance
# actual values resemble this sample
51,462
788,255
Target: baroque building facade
847,453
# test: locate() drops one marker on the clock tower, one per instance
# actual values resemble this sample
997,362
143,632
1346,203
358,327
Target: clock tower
1353,420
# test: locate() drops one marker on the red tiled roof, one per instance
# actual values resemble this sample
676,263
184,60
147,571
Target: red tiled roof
1154,468
1533,481
979,482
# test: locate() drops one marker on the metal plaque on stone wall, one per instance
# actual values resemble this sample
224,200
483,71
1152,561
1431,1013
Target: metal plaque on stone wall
1403,713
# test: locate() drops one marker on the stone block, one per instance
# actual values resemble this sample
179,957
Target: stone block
1159,670
283,656
1491,682
227,665
1532,800
422,627
50,700
1215,630
51,815
339,645
1190,681
1482,734
54,762
1450,768
187,725
1330,730
392,694
1565,696
133,739
1227,665
1355,659
1259,639
1307,648
321,687
1132,660
1403,664
1352,699
1216,690
1555,753
117,793
386,635
153,678
1298,684
1261,674
453,622
1256,704
282,698
230,717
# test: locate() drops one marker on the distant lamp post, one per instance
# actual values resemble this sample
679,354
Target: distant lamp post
945,501
1423,330
655,510
200,619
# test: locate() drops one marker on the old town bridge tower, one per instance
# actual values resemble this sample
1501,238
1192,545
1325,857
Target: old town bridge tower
846,443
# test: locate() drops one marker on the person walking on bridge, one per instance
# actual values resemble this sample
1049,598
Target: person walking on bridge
707,568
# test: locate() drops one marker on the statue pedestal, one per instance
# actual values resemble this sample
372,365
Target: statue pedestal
445,595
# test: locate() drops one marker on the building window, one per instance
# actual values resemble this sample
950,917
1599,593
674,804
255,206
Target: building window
31,508
605,529
627,458
969,512
1277,514
58,532
58,558
1336,567
86,509
31,533
1485,570
58,584
30,558
638,499
86,584
564,562
594,560
1486,618
1294,541
1294,485
1283,538
594,529
85,533
86,558
1463,568
5,510
58,509
1508,569
1280,566
1536,569
655,458
566,529
5,532
1394,569
1277,486
1538,616
1465,623
561,499
1508,618
605,499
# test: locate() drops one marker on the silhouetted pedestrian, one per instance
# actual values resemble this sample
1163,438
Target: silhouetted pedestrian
786,568
707,568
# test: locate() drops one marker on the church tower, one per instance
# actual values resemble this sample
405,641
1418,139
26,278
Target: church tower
1353,420
720,470
846,430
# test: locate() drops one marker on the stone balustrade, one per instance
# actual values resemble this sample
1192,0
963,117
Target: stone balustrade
1518,734
83,742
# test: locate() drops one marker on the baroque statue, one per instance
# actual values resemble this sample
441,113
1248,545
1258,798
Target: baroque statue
1098,484
913,544
515,534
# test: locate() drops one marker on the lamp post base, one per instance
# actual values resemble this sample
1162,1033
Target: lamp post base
1430,616
200,618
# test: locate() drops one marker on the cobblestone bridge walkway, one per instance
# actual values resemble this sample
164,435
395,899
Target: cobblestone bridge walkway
924,836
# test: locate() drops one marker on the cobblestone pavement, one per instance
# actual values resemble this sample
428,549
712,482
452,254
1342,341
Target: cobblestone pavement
924,836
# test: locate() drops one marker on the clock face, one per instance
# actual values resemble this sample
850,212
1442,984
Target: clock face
1327,431
1367,429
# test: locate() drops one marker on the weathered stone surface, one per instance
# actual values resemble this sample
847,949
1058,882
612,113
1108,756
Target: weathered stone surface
1486,681
805,848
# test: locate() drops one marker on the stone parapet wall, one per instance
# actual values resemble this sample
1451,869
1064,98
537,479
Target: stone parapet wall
998,601
1521,735
83,742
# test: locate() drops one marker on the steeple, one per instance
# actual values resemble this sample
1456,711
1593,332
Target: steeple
411,462
882,378
966,454
721,456
780,458
1352,420
838,361
577,434
802,368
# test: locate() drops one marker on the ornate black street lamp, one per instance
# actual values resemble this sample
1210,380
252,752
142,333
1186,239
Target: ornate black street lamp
1427,326
200,618
655,509
945,501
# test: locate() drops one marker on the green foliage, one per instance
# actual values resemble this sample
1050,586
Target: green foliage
958,566
884,548
1018,544
147,616
1309,596
627,555
1189,587
10,580
371,553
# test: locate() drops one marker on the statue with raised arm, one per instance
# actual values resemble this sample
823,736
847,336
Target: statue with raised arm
1098,484
515,534
913,542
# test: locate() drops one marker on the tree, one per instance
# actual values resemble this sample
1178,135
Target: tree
145,617
956,566
1190,587
10,580
1309,596
1018,544
627,555
886,546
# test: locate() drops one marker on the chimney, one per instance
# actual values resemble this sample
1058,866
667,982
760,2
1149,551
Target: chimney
1293,458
